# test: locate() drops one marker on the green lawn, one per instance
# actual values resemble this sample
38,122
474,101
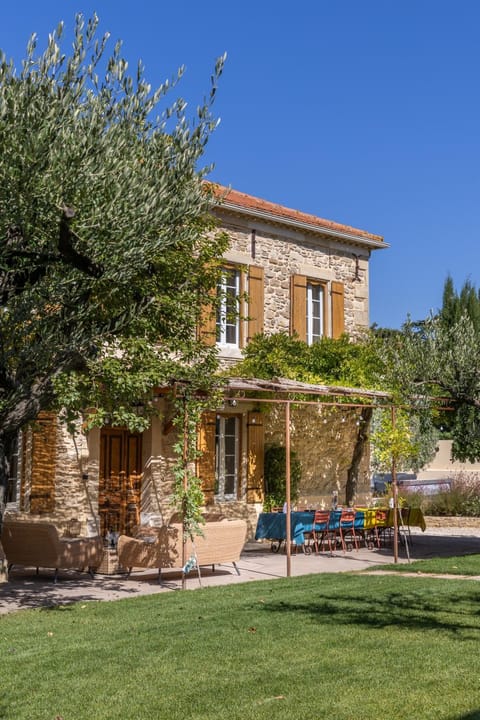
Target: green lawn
461,565
342,647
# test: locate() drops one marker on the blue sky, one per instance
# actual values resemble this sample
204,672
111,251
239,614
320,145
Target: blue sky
365,112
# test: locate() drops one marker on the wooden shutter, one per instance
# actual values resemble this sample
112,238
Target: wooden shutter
206,461
338,309
241,306
255,450
255,300
207,332
44,453
298,306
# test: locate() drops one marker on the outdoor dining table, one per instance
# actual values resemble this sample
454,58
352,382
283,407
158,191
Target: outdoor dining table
415,518
272,525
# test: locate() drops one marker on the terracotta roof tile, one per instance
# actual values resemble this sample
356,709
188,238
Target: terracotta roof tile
249,202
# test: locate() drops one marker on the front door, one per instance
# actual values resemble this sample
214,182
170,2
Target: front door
120,480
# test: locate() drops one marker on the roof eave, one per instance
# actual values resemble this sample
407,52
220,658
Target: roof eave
370,243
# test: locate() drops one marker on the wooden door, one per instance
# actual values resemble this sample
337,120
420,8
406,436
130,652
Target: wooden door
120,480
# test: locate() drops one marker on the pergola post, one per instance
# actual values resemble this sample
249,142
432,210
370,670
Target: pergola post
395,496
288,519
185,488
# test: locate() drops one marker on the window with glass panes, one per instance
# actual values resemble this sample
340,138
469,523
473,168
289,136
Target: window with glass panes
226,457
315,312
228,322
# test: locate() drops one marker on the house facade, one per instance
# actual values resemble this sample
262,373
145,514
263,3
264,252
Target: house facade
286,271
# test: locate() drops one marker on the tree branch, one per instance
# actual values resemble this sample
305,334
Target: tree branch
67,251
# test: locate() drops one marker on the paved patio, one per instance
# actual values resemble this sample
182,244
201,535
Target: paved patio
27,590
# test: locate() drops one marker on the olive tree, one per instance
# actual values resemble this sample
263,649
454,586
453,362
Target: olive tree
435,365
107,247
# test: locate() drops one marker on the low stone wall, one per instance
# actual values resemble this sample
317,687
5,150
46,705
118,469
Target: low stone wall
438,521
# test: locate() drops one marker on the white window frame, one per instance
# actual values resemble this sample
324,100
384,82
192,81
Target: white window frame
224,322
315,310
221,433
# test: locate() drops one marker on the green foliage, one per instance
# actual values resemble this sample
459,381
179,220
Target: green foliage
455,305
270,356
439,358
465,429
187,495
425,435
329,361
343,362
462,499
392,441
107,244
411,441
275,476
362,364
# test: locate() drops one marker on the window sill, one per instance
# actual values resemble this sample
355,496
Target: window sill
229,351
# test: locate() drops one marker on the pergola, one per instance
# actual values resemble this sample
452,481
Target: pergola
291,392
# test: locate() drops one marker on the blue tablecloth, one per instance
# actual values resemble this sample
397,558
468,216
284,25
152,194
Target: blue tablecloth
272,526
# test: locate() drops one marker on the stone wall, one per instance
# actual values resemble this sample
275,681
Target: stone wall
284,252
75,491
323,438
452,522
158,482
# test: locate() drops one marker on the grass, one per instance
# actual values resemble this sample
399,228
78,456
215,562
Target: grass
461,565
343,646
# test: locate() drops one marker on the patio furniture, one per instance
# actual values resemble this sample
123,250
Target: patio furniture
406,519
272,526
222,542
370,524
321,533
373,534
38,545
347,531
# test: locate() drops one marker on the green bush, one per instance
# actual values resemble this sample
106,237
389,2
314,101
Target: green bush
463,498
275,476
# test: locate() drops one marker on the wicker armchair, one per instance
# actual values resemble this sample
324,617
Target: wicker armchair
222,542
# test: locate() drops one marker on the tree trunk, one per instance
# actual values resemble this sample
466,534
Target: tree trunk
358,451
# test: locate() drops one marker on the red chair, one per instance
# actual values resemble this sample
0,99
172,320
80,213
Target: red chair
346,530
321,532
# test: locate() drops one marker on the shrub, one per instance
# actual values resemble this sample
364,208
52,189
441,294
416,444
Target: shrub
275,476
463,498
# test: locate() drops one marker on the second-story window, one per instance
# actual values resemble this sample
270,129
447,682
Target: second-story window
228,321
317,308
315,316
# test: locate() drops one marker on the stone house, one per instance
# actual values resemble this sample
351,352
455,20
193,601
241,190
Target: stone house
299,274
